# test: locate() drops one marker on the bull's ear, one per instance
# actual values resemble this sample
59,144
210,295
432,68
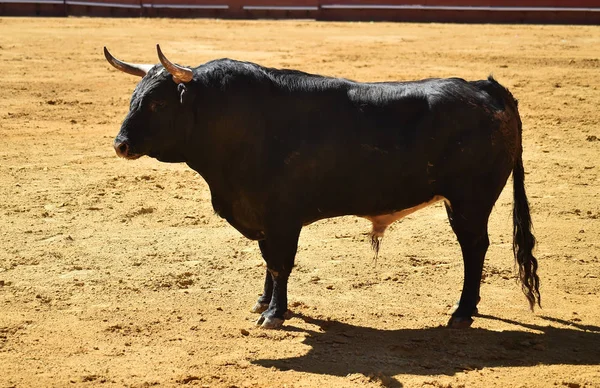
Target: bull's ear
183,93
180,73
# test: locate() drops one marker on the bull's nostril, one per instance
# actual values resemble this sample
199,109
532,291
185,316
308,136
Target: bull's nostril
122,148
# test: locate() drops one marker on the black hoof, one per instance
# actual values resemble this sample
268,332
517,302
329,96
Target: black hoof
460,322
271,320
259,307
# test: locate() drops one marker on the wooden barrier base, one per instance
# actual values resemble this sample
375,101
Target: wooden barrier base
184,13
87,10
460,16
32,9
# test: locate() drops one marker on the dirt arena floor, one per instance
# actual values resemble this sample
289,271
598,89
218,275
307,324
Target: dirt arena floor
118,273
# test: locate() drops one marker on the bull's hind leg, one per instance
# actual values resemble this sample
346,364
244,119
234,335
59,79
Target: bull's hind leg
469,222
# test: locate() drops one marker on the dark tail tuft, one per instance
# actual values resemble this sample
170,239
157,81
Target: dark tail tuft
523,239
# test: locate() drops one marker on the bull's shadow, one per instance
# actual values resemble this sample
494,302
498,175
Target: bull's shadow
340,349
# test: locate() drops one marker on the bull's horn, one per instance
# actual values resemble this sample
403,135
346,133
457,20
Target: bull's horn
179,73
129,68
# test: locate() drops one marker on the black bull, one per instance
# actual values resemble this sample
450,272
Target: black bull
280,149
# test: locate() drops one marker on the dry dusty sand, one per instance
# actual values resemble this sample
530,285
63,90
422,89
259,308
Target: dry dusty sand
118,273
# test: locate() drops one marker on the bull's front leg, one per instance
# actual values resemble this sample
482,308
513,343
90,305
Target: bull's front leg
262,304
279,250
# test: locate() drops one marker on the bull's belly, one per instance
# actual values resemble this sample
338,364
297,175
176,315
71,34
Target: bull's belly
381,222
251,225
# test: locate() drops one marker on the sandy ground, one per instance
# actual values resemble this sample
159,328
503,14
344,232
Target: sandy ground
118,273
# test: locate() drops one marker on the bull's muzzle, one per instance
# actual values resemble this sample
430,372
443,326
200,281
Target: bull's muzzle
123,149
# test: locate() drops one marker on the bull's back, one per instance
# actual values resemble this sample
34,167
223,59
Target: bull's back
386,147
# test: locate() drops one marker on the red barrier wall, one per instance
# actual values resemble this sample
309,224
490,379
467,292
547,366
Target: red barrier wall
474,3
468,11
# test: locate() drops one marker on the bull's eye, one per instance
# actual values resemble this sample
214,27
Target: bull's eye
157,105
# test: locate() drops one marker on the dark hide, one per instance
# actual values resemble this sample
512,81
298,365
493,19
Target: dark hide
280,149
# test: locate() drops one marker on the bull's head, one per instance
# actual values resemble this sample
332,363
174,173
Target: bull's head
158,120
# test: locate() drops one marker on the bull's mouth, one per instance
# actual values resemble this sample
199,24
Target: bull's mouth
131,156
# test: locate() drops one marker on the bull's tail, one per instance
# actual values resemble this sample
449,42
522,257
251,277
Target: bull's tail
523,239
